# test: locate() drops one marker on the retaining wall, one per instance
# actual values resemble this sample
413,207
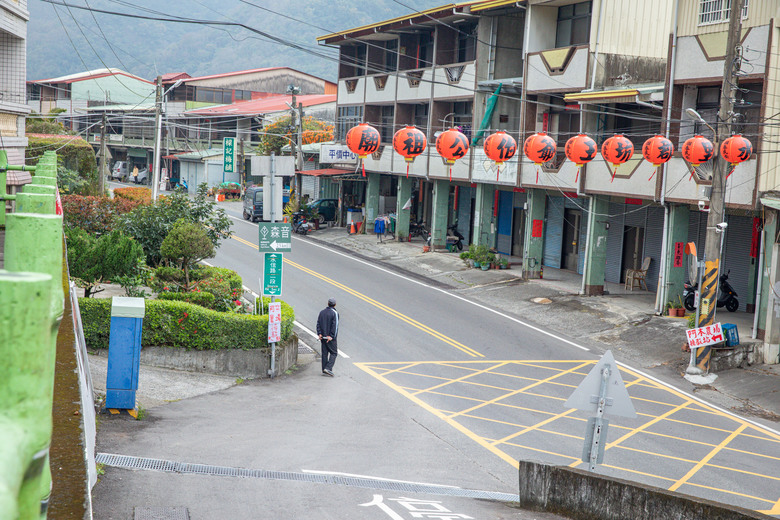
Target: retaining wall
247,364
588,496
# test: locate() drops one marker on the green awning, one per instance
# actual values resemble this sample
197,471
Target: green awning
136,152
771,202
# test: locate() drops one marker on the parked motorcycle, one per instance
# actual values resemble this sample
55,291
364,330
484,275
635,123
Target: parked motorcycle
418,229
452,231
727,297
300,224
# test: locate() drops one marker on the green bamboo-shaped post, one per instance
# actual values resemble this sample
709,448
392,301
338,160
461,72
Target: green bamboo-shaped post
25,403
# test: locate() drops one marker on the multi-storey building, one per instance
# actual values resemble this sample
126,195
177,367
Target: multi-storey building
13,66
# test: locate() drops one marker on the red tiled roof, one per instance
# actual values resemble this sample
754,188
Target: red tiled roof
57,136
173,76
236,73
263,106
326,171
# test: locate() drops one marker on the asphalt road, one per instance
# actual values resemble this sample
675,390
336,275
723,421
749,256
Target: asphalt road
494,384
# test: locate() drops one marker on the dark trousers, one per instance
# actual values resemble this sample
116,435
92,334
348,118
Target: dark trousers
329,351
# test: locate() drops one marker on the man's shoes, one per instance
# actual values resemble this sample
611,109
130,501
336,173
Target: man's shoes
328,372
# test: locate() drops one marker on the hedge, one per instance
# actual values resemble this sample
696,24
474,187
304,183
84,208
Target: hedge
142,195
94,214
184,325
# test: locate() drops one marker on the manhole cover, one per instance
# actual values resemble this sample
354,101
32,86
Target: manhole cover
161,513
543,301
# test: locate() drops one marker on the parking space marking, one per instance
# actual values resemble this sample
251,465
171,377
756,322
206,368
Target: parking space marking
527,415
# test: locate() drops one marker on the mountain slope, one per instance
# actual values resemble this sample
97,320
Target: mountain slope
63,41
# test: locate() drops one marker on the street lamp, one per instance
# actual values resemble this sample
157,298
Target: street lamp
695,115
158,137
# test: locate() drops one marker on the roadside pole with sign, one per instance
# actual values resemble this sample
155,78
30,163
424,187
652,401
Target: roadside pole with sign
228,156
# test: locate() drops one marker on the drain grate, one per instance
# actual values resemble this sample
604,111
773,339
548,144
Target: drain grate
303,348
161,513
129,462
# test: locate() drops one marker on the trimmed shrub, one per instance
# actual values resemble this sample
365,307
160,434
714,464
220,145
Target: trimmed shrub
142,195
203,299
95,215
234,281
93,260
184,325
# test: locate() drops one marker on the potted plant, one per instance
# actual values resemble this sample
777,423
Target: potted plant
670,309
679,309
466,257
503,263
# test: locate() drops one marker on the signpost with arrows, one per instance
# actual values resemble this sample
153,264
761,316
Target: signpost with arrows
602,391
275,238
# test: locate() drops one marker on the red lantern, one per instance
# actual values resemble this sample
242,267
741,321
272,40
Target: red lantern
409,142
736,149
617,150
580,149
452,145
697,149
500,147
539,148
363,140
657,150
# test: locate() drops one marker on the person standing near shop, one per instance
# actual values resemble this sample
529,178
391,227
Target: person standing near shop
328,331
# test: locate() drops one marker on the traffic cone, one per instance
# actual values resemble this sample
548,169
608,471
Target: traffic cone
352,228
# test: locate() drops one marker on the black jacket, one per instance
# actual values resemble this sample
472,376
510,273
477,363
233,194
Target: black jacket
327,322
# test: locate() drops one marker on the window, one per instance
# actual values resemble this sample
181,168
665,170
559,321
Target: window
462,116
391,56
717,11
707,105
386,126
360,60
242,95
467,43
424,50
573,25
347,118
421,117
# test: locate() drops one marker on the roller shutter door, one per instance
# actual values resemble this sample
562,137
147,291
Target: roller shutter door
553,236
654,230
614,242
736,256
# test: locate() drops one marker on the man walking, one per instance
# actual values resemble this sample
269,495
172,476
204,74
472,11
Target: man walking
328,331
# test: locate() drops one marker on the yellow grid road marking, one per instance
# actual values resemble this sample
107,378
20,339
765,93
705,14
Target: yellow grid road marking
534,427
462,378
707,458
774,511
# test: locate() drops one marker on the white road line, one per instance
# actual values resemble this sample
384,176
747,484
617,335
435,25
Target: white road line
466,300
340,474
550,334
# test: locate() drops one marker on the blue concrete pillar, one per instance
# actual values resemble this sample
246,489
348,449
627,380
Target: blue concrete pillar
484,225
124,352
596,246
402,218
533,250
441,207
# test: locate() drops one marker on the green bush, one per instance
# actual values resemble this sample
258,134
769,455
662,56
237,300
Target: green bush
92,261
184,325
203,299
166,279
234,281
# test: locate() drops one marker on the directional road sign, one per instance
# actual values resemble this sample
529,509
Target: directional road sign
586,396
275,237
272,274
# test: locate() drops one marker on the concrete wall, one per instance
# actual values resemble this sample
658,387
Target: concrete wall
585,495
249,364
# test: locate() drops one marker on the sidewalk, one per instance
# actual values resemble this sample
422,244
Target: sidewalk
622,321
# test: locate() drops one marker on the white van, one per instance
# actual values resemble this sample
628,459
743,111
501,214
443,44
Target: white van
119,171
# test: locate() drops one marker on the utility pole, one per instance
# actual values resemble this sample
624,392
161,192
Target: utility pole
157,138
709,290
102,171
293,142
241,172
299,158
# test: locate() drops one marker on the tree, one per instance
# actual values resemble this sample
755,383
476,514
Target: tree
150,224
187,243
92,261
280,132
39,124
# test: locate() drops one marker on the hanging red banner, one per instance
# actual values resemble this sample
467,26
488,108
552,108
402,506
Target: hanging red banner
536,229
756,239
679,251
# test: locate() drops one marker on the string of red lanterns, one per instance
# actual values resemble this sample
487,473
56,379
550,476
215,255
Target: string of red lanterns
540,148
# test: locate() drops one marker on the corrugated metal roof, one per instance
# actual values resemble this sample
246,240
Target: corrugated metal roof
198,155
91,74
264,105
326,172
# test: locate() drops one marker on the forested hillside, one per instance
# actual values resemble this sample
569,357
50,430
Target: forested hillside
65,40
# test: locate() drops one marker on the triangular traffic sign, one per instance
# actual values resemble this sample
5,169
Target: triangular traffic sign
586,396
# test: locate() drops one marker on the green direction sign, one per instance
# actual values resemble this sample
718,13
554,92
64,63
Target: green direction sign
272,274
274,237
229,154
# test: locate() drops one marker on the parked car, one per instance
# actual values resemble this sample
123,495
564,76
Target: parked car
119,171
326,208
143,176
253,203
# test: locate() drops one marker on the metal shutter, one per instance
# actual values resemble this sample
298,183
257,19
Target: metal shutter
736,256
504,234
654,230
464,213
553,236
614,242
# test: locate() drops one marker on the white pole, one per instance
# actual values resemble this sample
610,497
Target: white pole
157,137
760,285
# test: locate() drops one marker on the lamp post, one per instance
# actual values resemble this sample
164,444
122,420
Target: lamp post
158,134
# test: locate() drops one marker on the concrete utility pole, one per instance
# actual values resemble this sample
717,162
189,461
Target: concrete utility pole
709,290
293,142
102,171
241,172
157,138
299,158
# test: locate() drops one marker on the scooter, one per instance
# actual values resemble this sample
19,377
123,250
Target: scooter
727,297
299,223
417,229
452,231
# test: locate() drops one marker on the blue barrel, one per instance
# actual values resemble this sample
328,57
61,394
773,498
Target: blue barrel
124,352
